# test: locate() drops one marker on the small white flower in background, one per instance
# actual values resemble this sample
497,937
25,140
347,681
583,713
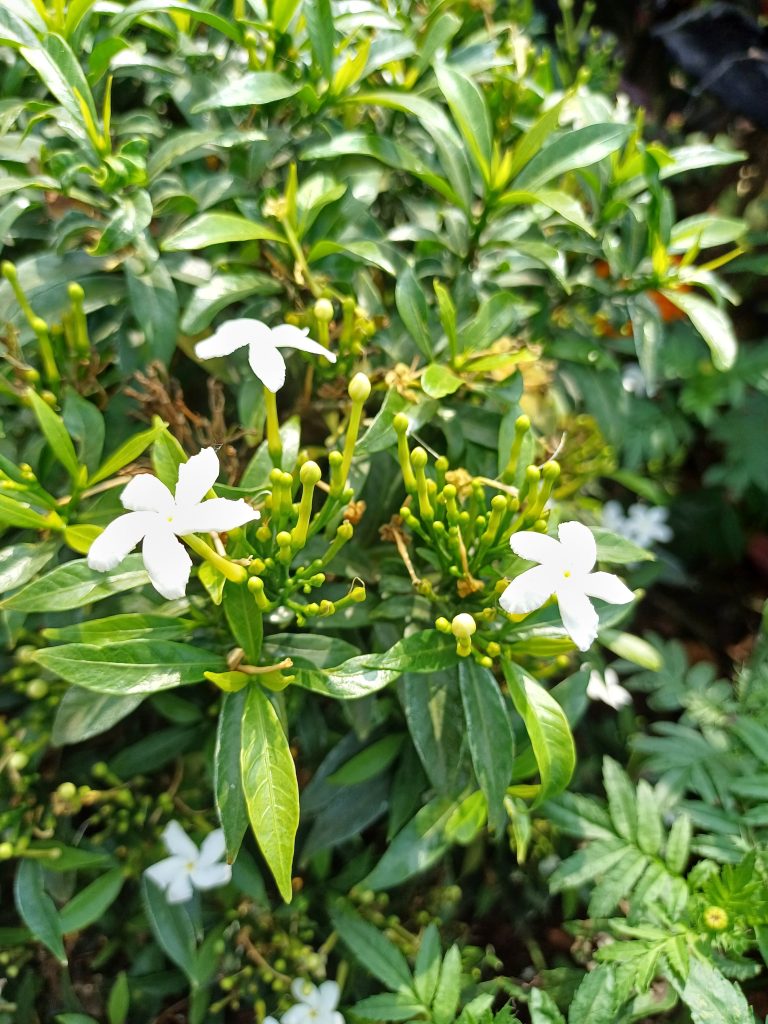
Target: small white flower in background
644,525
565,571
188,868
264,344
608,689
158,517
314,1005
633,380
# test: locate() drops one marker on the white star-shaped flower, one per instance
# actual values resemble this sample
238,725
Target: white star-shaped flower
608,689
188,868
565,571
314,1005
158,517
264,344
644,525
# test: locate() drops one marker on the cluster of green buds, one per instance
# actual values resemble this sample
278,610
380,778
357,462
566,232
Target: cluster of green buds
467,523
63,349
287,556
338,323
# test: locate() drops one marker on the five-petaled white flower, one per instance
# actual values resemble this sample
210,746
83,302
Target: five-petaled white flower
157,518
314,1005
565,571
608,689
188,868
645,525
264,344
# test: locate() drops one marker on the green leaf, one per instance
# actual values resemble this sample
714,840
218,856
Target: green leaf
132,216
251,89
678,848
388,1007
369,762
547,729
491,321
245,620
426,969
269,783
439,381
119,1000
470,112
127,453
91,902
132,12
172,927
446,1002
227,773
376,953
491,741
20,562
318,15
222,291
705,230
412,307
529,144
621,799
63,76
570,209
574,150
36,908
711,323
415,848
17,513
618,550
130,666
433,709
126,626
167,456
56,435
282,13
85,425
73,585
543,1008
217,229
596,999
82,714
649,827
711,998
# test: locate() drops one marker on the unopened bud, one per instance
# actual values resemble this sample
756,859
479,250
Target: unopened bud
310,473
463,626
324,310
359,388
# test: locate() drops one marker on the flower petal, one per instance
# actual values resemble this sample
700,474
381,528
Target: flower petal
607,587
529,590
298,1014
536,547
118,539
180,890
579,617
178,843
216,514
288,336
145,493
580,549
212,848
211,876
268,365
164,872
167,562
302,990
196,478
329,992
229,337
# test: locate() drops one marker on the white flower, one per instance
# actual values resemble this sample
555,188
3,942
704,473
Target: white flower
608,689
157,518
264,344
189,868
644,525
565,571
314,1005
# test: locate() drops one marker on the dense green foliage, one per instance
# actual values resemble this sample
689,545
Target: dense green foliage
333,645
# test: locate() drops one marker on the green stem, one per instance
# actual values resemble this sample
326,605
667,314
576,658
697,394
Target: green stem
231,570
274,442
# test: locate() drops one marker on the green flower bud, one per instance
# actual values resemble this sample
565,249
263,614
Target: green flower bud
359,388
463,626
6,851
310,473
324,310
18,761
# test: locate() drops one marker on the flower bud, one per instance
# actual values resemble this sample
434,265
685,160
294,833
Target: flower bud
310,473
401,423
463,626
442,624
419,458
324,310
359,388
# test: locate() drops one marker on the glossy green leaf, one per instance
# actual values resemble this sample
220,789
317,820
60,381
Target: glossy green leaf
132,216
18,513
222,291
125,626
446,1002
82,714
380,957
470,112
386,1006
132,12
415,848
73,585
227,773
56,434
426,969
412,307
36,908
91,902
130,666
318,15
490,737
251,89
711,323
172,927
571,151
439,381
19,563
245,620
127,453
269,783
218,229
547,729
